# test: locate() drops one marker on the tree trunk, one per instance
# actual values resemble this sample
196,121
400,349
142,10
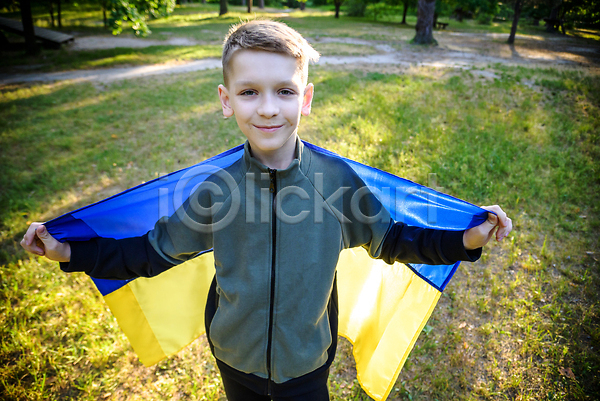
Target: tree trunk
51,11
424,28
223,7
104,19
513,29
249,6
302,6
59,14
550,22
404,13
261,4
338,4
27,19
243,2
203,1
562,19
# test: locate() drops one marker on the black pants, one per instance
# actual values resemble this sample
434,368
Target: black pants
240,386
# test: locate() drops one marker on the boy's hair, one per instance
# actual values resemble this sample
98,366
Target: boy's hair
269,36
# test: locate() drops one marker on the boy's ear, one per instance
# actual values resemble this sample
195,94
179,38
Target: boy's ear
224,97
309,91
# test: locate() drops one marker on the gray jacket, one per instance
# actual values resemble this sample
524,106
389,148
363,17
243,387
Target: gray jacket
276,238
276,256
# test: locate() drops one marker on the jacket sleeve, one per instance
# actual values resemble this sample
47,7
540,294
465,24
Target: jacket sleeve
116,259
409,244
369,224
173,240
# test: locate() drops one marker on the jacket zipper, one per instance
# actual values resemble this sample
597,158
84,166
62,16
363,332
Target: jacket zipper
273,190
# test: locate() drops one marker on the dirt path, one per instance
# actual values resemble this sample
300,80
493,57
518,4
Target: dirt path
106,75
455,50
111,42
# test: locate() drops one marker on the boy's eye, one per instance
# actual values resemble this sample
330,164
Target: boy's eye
248,92
286,92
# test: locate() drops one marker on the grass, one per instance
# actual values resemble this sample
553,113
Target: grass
201,23
522,324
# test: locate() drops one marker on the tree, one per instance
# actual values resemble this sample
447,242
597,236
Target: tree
486,11
554,21
27,20
337,4
249,6
513,29
51,12
407,3
424,28
136,12
222,7
105,4
551,6
58,12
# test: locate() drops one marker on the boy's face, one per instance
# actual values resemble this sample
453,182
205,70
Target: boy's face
267,95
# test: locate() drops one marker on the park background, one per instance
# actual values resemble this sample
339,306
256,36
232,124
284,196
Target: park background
472,116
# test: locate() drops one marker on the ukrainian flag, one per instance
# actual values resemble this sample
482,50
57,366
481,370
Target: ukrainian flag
382,308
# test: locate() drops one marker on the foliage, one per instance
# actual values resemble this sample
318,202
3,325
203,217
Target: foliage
484,19
444,8
268,3
9,5
488,7
585,13
136,12
537,9
379,10
484,10
356,8
505,12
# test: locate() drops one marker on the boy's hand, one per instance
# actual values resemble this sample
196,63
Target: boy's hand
478,236
37,240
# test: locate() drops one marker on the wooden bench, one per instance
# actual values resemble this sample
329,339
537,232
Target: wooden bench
47,36
441,25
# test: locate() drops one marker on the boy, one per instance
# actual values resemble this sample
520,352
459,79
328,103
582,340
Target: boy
271,316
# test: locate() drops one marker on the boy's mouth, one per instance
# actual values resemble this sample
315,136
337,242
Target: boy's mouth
268,128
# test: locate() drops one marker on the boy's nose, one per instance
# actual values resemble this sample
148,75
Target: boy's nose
268,107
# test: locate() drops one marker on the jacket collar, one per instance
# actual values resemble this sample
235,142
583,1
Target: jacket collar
301,161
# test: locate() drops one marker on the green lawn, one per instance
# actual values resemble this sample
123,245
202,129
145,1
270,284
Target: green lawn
523,323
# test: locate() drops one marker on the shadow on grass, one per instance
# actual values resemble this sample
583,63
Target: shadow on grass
64,59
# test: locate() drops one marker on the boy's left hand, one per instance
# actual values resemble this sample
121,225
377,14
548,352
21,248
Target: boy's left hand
477,237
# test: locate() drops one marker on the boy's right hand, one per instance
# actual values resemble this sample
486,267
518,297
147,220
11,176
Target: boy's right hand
37,240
